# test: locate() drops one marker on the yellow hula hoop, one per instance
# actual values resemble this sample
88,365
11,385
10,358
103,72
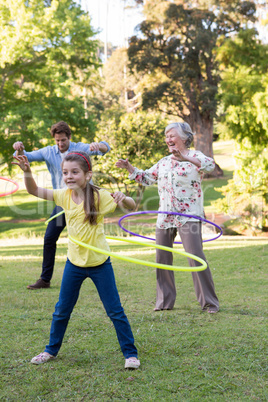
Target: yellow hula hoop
201,267
143,262
53,217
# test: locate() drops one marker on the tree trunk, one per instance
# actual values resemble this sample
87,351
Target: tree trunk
203,141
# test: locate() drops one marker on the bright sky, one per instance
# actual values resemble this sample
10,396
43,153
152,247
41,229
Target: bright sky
115,22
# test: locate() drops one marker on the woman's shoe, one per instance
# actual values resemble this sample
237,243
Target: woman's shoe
210,311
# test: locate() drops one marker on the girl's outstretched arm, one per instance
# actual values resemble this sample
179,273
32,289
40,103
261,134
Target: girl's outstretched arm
122,200
29,181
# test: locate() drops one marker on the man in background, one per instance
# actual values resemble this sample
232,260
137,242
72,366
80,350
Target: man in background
53,156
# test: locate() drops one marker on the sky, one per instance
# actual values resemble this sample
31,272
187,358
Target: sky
115,22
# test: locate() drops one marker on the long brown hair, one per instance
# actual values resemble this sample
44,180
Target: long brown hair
91,205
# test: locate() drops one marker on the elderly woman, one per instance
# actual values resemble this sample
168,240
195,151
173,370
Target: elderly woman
179,177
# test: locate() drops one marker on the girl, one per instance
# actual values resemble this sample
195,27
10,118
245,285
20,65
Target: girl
85,206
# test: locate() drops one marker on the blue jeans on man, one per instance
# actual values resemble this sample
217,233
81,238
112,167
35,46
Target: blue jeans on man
53,231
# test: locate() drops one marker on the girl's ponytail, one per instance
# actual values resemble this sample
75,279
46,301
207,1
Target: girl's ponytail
91,205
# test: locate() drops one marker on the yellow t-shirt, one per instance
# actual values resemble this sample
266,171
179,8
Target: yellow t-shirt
84,232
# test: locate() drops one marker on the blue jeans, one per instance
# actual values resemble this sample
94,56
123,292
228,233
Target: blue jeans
104,280
53,231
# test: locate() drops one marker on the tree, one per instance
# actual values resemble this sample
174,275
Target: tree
119,85
243,65
176,48
246,195
45,47
134,136
244,97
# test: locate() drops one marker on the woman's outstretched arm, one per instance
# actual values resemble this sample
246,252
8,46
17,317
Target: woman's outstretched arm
125,164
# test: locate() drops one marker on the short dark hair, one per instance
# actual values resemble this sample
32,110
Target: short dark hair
60,128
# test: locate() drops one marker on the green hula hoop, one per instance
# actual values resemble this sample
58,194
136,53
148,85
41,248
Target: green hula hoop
201,267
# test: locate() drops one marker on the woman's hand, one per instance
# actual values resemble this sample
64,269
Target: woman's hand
180,155
184,156
23,162
125,164
121,163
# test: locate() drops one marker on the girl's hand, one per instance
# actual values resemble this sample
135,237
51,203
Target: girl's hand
23,162
118,197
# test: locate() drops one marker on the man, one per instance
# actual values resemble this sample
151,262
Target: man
53,156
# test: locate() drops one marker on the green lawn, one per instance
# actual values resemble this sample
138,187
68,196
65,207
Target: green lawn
186,354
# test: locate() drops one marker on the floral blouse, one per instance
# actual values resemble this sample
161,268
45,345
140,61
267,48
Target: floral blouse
179,187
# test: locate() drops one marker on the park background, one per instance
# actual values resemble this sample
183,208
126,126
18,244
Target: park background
204,62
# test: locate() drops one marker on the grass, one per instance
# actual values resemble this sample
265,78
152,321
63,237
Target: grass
186,355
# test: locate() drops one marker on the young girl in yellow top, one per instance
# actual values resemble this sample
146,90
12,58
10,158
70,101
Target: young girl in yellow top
85,206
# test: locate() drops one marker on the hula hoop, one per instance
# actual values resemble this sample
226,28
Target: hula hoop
12,191
53,217
167,213
201,267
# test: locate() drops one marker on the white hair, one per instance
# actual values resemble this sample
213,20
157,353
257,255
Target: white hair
184,131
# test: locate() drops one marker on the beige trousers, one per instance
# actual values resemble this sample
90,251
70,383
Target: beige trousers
191,238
